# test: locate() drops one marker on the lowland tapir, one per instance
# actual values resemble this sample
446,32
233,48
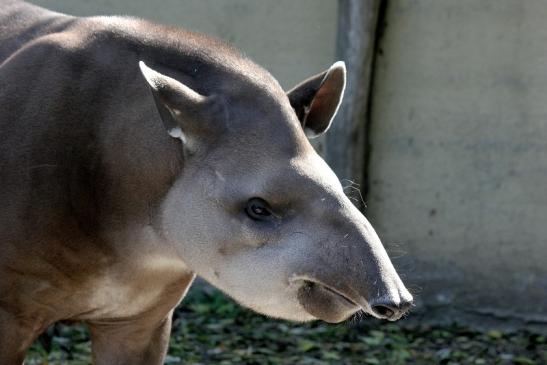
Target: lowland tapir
135,156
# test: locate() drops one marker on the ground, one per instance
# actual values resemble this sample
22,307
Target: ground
211,329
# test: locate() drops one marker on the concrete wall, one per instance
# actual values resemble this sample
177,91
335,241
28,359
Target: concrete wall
292,39
459,153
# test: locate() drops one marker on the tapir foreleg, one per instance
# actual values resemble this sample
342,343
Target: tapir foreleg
142,341
16,336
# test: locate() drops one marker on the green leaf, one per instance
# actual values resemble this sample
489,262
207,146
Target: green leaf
305,345
522,360
331,355
495,334
372,360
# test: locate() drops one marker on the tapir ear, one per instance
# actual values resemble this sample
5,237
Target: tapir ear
316,100
184,112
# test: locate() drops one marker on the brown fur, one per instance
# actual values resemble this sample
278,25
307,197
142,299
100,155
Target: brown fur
106,218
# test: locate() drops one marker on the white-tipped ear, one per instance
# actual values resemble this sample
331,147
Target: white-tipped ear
317,99
184,112
149,74
170,89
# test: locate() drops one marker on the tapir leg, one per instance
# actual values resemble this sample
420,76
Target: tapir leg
16,336
135,342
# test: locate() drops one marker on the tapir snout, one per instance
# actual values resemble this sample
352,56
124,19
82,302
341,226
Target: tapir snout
336,292
350,271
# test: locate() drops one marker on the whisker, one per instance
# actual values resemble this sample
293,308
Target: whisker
355,188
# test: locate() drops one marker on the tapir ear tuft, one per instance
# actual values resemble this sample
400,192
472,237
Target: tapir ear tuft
317,99
184,112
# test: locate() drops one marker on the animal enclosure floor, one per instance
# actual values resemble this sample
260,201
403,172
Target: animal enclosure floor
211,329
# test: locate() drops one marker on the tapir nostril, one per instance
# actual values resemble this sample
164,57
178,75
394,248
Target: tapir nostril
383,311
390,310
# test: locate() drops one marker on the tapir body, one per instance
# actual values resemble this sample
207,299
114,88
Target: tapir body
120,183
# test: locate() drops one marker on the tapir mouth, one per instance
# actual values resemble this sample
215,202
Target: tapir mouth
330,304
333,291
325,302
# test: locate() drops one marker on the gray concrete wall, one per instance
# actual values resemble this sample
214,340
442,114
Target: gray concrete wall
292,39
458,169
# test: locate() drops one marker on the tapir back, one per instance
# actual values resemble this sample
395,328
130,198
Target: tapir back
25,23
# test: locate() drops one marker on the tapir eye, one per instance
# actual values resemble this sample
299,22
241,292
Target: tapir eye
258,209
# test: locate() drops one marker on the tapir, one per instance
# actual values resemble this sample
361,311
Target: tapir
135,156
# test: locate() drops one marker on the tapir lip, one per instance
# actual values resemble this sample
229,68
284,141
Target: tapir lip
337,312
328,288
335,292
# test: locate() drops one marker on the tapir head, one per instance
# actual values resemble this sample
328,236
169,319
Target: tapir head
257,213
